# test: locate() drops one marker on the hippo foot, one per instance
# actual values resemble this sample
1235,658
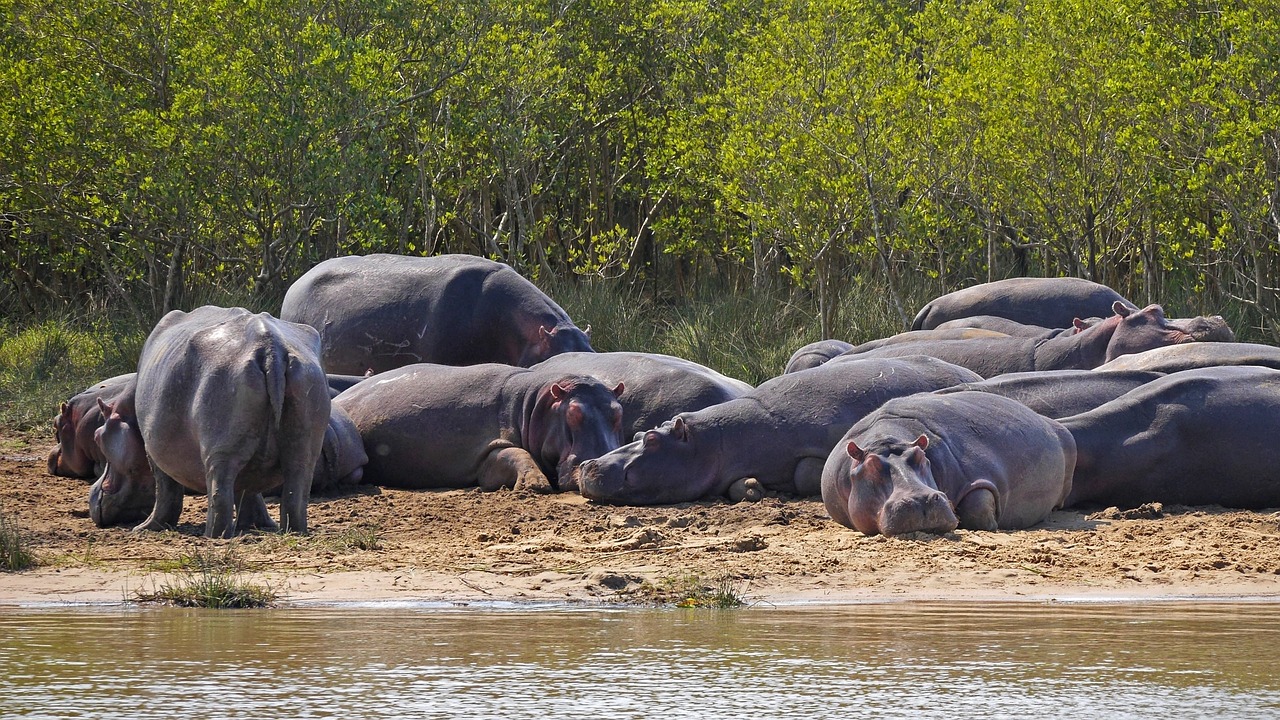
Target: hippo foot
534,483
748,489
154,526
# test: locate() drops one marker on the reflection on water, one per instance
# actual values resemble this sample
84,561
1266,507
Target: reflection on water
884,661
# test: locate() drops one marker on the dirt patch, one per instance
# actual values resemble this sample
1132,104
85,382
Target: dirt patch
468,546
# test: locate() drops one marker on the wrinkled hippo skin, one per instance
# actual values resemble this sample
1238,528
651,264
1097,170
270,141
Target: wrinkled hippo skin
492,425
379,312
1127,331
1059,393
76,455
657,387
930,463
1196,437
1176,358
228,404
815,354
1047,302
778,435
914,336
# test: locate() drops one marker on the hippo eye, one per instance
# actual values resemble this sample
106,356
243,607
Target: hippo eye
651,440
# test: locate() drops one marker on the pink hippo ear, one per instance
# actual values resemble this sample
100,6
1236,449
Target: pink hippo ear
617,391
1079,325
558,391
105,408
855,452
679,429
651,439
922,442
1121,309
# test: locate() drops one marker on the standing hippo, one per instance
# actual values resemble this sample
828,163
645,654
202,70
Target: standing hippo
1127,331
492,425
1196,437
931,462
777,436
1059,393
815,354
1196,355
657,386
1047,302
229,404
76,455
379,312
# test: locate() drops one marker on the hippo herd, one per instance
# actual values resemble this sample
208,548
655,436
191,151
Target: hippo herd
1004,401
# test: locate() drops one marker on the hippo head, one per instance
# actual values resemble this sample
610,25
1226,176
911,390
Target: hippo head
668,464
1140,330
126,490
342,456
66,459
575,419
892,491
547,341
1202,328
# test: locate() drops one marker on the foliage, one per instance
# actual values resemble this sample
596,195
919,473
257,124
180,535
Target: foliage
15,554
690,591
210,579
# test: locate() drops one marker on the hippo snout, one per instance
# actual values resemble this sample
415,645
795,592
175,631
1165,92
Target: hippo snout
926,512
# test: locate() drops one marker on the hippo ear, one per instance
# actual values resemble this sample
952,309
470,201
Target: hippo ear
105,408
1121,309
854,451
617,391
587,331
680,429
651,439
558,391
544,333
1079,325
922,442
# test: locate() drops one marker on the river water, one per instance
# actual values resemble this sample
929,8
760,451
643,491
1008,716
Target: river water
968,660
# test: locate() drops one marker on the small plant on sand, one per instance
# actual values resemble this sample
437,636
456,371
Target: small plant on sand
14,553
210,579
690,591
360,537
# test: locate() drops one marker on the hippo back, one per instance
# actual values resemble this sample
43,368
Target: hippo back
815,354
1047,302
1188,356
1059,393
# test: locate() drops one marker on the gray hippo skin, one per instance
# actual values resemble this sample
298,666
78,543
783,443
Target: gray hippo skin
1059,393
228,404
657,387
778,435
930,463
1176,358
379,312
914,336
76,455
815,354
1010,327
1047,302
1195,437
1127,331
127,495
492,425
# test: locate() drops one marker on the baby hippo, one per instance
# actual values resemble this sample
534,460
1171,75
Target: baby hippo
932,463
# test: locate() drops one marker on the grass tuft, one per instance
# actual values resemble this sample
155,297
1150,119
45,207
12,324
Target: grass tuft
14,553
210,579
690,591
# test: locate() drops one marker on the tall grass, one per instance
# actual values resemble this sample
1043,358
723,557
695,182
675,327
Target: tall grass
14,553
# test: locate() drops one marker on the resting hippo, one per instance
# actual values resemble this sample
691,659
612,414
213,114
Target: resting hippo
338,383
1010,327
778,435
933,462
814,354
492,425
229,404
657,386
1128,331
1196,437
378,312
76,455
1059,393
1047,302
126,496
914,336
1196,355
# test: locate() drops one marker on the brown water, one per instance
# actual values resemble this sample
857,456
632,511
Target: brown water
883,661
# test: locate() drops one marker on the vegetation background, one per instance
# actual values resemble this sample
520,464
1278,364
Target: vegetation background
719,179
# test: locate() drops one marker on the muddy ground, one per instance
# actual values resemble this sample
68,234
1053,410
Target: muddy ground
465,546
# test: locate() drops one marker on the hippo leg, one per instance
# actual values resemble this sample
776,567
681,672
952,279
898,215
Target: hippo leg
978,509
168,507
294,498
808,476
222,474
251,514
512,467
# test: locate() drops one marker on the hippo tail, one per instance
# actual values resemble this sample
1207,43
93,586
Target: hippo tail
274,361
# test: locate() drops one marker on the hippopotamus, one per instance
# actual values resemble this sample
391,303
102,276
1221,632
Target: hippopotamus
338,383
76,455
914,336
379,312
775,437
1212,328
492,425
1196,355
657,386
1127,331
1047,302
814,354
1196,437
931,463
1059,393
128,494
229,404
